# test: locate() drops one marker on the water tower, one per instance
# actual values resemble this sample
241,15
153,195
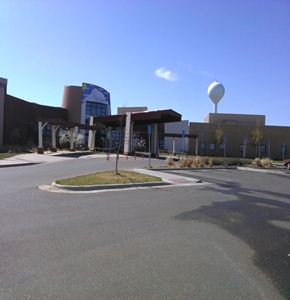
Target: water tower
216,91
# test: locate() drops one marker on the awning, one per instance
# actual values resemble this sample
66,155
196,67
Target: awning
64,123
141,118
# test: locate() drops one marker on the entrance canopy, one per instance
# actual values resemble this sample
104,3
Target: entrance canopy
60,122
141,117
179,135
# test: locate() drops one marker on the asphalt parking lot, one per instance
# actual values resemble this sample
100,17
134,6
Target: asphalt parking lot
224,238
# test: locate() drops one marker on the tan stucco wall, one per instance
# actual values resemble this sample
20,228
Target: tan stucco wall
235,118
235,133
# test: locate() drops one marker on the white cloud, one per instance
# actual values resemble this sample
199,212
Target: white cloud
166,74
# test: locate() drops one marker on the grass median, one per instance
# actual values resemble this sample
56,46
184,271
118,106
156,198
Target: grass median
109,177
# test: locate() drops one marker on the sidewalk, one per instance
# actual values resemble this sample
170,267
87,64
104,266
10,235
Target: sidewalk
31,159
51,157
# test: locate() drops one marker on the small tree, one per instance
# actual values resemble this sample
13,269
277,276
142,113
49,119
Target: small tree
64,137
256,136
218,134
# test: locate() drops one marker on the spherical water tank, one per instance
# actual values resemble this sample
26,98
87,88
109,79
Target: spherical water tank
216,91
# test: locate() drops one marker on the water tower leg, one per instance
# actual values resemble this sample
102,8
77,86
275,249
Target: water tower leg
215,108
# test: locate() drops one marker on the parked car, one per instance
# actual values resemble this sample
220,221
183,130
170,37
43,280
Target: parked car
287,163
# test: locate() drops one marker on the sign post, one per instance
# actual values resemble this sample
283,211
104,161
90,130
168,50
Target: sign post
149,144
202,136
244,149
283,151
225,140
183,136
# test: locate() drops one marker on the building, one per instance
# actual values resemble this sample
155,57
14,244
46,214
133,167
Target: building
236,132
82,102
3,89
87,109
18,119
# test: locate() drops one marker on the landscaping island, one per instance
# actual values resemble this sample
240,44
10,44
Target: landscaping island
109,177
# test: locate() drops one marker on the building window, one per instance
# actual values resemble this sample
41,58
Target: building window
161,143
262,149
212,146
96,109
283,149
202,146
116,136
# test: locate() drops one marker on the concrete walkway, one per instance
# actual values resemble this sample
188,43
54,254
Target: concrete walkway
31,159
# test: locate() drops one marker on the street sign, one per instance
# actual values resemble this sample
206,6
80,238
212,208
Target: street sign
183,133
149,128
202,134
225,137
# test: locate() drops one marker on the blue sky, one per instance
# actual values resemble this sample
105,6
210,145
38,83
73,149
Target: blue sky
159,54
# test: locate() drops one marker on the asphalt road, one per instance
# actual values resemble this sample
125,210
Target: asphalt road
228,238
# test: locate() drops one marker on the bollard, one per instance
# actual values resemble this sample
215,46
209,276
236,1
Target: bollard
126,156
108,156
134,156
142,156
118,157
156,155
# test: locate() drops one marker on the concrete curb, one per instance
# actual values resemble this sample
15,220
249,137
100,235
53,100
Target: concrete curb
269,171
107,186
10,165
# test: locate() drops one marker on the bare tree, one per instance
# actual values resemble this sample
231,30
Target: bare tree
256,136
218,134
64,137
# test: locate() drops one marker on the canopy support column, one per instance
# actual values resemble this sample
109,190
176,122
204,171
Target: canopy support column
53,139
173,146
40,149
72,149
154,139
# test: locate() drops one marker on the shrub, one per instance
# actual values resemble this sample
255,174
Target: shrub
170,161
201,163
258,162
210,162
217,161
266,162
195,162
14,149
187,162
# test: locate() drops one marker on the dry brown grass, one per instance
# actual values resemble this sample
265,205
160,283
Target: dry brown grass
201,163
266,162
170,161
258,162
195,162
187,162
